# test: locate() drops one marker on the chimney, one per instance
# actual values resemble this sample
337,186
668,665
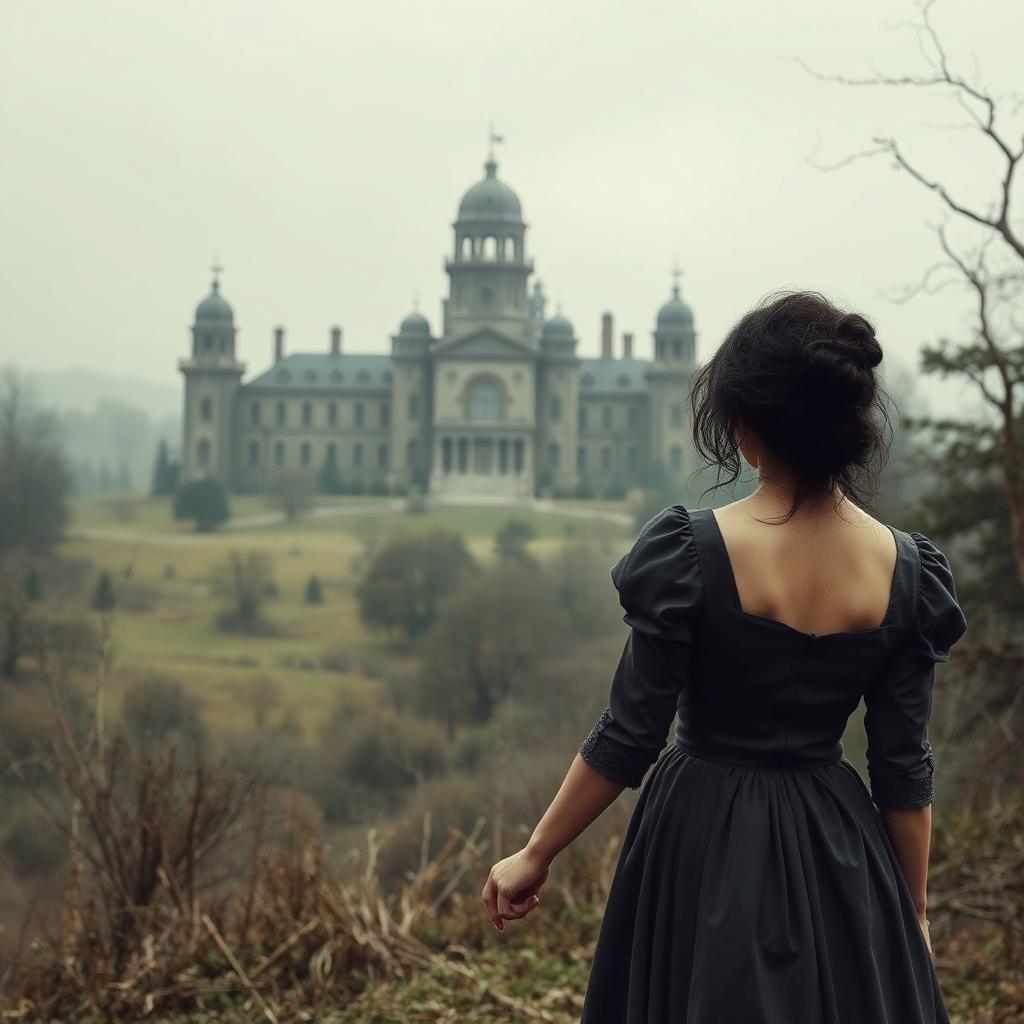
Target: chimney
627,345
606,335
335,341
278,344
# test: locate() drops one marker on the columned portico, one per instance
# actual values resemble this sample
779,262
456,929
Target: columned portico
476,462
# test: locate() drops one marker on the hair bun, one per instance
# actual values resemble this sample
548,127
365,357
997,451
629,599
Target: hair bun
854,337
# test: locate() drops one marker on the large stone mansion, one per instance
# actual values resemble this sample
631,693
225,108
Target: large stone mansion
496,402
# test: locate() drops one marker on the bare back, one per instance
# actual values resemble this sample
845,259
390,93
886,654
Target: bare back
821,572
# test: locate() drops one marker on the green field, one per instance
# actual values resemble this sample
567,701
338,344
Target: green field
177,636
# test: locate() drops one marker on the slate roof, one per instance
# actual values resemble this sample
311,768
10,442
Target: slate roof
315,371
612,376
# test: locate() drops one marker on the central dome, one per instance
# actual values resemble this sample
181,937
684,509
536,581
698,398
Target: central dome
215,307
675,312
491,200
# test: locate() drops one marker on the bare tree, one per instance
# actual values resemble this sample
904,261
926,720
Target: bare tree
988,261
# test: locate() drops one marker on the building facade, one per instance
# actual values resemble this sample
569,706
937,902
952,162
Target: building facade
497,402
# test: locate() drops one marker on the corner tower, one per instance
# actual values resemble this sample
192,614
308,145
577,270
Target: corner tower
212,376
668,379
489,269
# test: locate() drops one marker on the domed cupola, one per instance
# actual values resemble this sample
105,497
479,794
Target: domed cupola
558,339
675,312
214,308
413,339
557,327
490,201
213,332
415,324
674,337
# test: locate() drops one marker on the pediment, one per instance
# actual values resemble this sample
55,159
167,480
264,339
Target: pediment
485,343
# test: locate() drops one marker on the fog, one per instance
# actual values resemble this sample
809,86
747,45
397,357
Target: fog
320,150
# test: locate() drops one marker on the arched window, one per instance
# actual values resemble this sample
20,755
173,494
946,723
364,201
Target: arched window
205,409
446,454
467,249
490,248
675,457
254,414
484,399
203,452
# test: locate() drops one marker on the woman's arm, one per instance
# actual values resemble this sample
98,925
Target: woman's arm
513,885
910,832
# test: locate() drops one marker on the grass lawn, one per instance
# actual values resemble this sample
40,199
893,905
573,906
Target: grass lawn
177,636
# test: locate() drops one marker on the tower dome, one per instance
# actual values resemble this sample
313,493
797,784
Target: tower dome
557,327
415,323
490,200
675,312
214,308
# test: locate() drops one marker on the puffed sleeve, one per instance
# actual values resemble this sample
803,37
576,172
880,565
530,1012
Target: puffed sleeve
660,587
898,704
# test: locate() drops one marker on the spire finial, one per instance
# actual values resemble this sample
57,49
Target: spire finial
215,269
416,301
676,274
492,137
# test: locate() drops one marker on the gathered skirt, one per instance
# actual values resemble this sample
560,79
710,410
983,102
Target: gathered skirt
754,895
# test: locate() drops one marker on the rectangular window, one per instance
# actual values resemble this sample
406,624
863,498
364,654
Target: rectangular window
254,414
332,414
583,417
385,414
606,459
556,409
359,414
280,412
581,460
357,454
382,456
306,453
414,407
254,453
278,453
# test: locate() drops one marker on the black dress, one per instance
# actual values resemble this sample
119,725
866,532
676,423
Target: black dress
757,883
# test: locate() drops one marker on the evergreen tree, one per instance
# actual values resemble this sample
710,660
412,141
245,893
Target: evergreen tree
314,590
33,584
328,480
163,472
205,501
104,598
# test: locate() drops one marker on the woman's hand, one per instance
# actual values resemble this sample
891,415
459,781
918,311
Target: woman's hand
923,922
513,886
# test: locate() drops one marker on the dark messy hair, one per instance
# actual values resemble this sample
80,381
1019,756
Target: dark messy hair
800,373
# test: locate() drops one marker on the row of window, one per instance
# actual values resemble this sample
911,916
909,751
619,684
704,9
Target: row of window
485,403
454,454
675,458
491,249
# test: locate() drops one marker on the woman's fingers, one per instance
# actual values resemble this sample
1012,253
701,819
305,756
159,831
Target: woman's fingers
490,898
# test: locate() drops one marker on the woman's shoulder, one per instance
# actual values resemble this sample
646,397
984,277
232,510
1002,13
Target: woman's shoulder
659,578
938,620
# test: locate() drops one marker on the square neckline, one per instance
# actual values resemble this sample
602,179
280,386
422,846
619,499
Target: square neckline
738,607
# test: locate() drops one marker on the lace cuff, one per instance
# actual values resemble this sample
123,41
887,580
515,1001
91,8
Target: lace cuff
622,765
904,793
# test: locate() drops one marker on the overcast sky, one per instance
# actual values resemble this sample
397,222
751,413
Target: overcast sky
321,148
